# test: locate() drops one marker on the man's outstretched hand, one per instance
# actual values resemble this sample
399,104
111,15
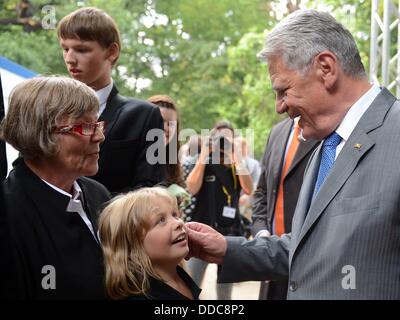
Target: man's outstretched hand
205,243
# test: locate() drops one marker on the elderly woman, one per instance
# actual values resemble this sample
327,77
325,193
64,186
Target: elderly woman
50,207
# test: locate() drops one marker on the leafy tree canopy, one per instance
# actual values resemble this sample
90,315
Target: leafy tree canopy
200,52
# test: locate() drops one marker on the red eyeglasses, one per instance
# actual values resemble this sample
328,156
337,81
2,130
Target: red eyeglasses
84,129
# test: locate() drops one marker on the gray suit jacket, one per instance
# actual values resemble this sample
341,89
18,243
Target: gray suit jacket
346,243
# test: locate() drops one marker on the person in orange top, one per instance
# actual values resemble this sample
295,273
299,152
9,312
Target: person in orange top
274,200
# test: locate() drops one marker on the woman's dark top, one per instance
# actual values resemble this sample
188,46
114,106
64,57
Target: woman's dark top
211,200
50,253
159,290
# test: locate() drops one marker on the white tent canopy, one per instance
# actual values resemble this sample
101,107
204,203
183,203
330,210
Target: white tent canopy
12,74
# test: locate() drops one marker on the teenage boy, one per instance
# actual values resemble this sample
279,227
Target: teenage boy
91,46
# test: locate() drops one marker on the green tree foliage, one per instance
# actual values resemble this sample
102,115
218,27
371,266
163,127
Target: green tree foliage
200,52
254,105
196,71
354,15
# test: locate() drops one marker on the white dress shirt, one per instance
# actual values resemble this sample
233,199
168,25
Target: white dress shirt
354,115
75,204
103,95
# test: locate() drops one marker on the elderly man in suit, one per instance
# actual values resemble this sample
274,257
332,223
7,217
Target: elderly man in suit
285,158
345,234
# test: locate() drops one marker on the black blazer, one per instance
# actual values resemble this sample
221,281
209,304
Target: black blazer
122,164
271,166
3,160
3,156
38,232
159,290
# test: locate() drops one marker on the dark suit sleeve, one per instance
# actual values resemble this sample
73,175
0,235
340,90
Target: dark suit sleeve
259,207
256,260
12,284
147,174
3,156
3,161
5,249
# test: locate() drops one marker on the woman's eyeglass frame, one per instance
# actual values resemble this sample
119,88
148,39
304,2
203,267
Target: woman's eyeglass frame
84,129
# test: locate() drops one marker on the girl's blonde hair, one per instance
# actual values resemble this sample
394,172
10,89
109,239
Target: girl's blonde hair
123,225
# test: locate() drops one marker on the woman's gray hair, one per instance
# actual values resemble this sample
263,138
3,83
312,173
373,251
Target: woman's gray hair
37,105
302,35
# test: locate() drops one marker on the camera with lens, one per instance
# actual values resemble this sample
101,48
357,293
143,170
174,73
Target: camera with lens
219,143
220,149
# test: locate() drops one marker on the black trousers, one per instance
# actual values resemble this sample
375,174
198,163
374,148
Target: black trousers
273,290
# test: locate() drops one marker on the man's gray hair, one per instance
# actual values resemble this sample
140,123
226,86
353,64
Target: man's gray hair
302,35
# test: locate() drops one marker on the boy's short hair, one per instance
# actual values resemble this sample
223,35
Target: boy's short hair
90,24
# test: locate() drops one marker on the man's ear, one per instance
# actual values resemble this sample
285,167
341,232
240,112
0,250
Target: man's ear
327,68
113,52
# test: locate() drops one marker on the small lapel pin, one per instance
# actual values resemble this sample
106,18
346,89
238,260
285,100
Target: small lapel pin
357,146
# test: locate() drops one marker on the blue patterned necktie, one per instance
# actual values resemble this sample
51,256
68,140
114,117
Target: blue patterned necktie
327,159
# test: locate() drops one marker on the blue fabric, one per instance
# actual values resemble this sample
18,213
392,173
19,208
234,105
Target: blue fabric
327,159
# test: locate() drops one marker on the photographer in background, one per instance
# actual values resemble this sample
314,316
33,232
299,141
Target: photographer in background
217,179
